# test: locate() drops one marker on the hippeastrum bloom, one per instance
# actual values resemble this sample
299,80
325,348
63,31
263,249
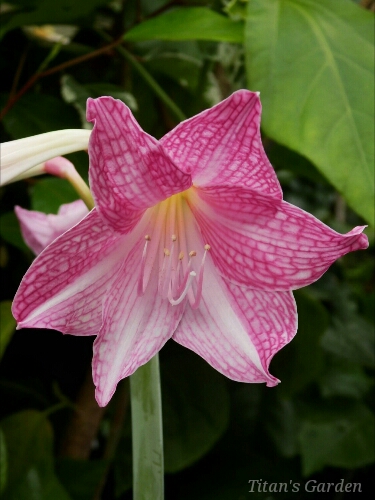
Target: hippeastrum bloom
190,239
39,229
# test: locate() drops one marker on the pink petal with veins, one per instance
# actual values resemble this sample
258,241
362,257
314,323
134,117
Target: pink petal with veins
134,328
39,229
222,145
129,169
282,251
237,330
67,283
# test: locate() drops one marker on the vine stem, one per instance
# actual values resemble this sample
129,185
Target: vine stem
147,432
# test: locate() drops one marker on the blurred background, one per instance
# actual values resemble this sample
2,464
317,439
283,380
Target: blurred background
312,61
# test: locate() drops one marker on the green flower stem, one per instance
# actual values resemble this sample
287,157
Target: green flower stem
80,187
163,96
50,57
147,432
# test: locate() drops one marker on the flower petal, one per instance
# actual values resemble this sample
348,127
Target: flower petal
134,328
222,145
129,170
66,284
39,229
238,330
284,251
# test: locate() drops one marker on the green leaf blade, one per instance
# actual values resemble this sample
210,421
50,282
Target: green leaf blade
320,55
188,23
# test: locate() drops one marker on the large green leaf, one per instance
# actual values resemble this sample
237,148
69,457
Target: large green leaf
337,435
313,62
188,23
28,438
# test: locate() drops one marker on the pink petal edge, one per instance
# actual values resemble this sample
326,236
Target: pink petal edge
283,251
134,328
222,145
39,229
129,169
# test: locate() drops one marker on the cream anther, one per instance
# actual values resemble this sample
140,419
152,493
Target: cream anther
180,255
193,253
167,253
174,237
148,237
207,247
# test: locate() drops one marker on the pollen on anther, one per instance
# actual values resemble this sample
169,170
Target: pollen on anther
148,237
207,247
181,255
174,237
167,253
193,253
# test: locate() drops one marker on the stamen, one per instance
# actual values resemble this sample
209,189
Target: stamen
175,302
140,290
198,297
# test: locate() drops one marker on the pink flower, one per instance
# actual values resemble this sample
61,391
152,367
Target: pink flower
39,229
190,239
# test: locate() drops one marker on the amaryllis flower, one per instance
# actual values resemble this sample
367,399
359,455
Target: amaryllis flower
39,229
190,239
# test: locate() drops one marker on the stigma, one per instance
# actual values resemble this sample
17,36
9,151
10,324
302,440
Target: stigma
178,277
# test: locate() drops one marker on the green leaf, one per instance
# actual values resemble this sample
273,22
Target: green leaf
7,325
38,113
195,408
351,339
188,23
313,62
10,231
47,195
345,379
301,361
29,442
46,12
338,436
